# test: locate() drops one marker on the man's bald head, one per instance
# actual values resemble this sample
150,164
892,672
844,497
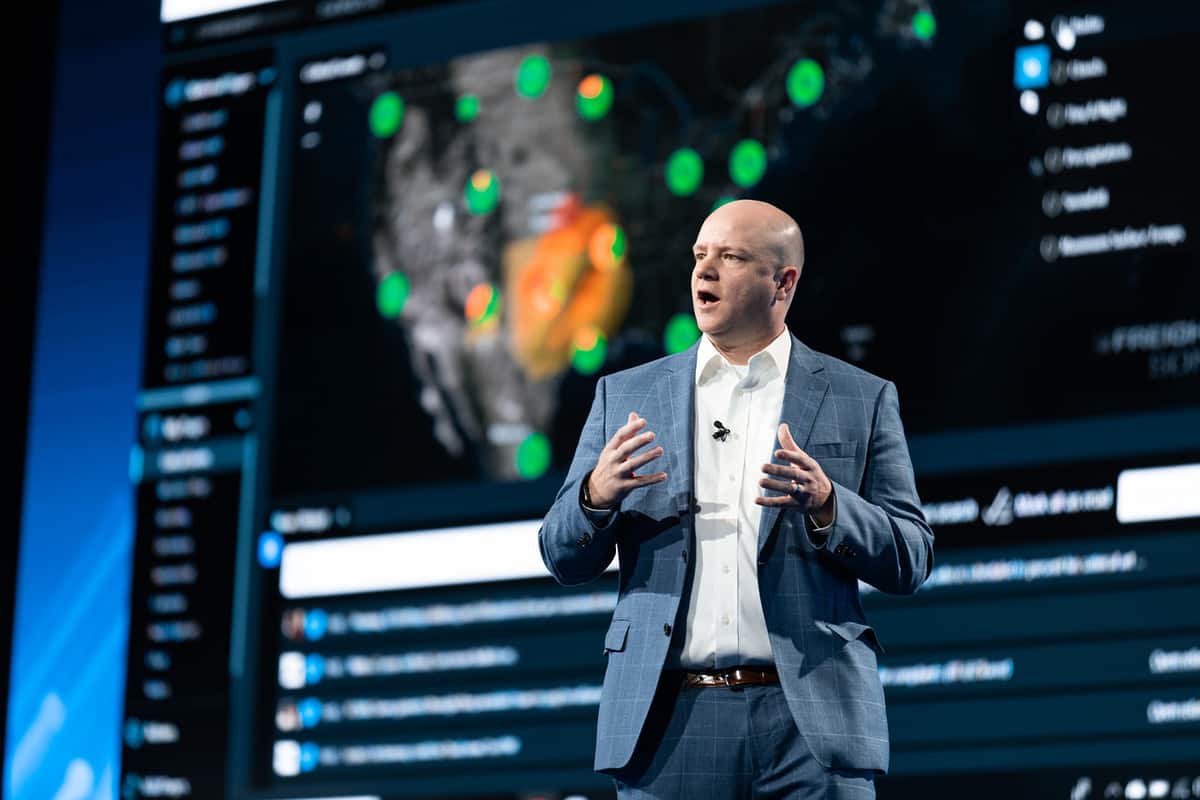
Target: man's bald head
748,255
773,226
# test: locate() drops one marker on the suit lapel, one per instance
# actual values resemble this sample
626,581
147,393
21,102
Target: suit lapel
804,391
676,392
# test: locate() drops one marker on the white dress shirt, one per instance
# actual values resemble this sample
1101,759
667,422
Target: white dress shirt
725,624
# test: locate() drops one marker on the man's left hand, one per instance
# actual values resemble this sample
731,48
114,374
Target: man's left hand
802,481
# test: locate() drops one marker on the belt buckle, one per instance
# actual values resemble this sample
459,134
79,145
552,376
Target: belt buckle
725,678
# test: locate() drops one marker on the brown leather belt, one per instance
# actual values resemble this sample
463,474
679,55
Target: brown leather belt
734,676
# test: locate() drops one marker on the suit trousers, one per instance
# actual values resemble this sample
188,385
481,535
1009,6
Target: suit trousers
720,743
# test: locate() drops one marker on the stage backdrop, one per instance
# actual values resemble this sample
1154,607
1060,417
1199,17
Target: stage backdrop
327,287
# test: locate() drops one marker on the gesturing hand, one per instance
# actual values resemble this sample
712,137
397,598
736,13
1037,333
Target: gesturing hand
802,481
614,475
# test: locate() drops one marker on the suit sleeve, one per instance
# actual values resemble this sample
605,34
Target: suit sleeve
882,536
576,546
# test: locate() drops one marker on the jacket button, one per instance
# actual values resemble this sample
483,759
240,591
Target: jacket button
584,540
666,629
684,554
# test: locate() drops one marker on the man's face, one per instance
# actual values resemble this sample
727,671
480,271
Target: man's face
734,282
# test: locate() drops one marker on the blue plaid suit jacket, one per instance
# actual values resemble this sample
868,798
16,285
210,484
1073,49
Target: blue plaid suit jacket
849,421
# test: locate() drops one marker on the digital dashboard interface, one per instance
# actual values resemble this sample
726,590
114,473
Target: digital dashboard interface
396,245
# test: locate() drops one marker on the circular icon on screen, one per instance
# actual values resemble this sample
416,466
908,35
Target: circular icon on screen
293,624
287,716
316,622
1052,204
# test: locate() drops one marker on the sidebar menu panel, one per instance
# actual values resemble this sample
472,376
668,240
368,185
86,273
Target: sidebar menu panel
196,427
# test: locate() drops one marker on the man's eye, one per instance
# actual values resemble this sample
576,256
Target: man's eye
733,256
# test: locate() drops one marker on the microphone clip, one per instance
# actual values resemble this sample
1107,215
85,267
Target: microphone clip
721,433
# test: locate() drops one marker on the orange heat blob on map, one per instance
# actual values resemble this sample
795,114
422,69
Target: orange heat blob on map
556,290
591,86
478,301
600,247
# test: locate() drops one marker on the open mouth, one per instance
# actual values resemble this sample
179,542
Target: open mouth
707,298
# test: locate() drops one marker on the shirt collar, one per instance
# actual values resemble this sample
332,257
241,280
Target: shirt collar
770,361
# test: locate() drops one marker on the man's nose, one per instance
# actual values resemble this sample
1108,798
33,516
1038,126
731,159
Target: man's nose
706,268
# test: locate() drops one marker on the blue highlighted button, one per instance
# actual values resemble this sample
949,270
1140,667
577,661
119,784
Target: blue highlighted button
1032,67
316,622
314,668
270,549
310,756
310,712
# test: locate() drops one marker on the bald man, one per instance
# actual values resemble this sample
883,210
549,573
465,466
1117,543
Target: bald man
746,485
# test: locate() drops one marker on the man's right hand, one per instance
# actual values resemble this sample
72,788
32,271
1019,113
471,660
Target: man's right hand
615,474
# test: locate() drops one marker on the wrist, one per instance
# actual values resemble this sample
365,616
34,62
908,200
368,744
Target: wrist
588,499
823,516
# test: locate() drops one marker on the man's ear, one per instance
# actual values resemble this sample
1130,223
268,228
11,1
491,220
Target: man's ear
787,277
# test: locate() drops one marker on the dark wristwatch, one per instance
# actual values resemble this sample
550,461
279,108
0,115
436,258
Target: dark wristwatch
586,496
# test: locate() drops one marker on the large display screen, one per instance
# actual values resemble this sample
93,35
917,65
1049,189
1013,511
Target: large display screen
394,246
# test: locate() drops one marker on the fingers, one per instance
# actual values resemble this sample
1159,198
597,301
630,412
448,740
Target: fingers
646,480
614,475
630,446
776,485
633,424
785,437
628,483
782,470
781,500
791,451
642,459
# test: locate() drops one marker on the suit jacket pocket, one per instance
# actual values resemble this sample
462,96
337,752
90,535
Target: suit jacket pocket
850,631
618,632
846,449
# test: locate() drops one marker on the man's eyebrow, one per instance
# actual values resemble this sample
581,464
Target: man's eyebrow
724,248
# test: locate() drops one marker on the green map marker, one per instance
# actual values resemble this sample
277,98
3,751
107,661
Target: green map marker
594,97
590,350
533,456
747,163
392,294
533,76
387,112
805,82
924,26
620,244
681,333
482,192
685,170
466,108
